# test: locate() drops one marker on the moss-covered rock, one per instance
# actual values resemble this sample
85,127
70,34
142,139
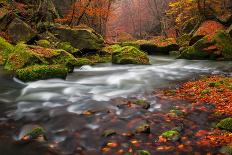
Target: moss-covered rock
172,135
224,44
111,48
225,124
55,56
156,46
83,61
41,72
202,49
129,55
19,31
183,41
82,38
21,57
67,47
5,49
44,43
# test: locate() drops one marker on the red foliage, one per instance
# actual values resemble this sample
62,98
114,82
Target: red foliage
209,28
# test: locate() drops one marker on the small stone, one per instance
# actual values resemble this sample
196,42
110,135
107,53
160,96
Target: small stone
144,104
144,128
172,135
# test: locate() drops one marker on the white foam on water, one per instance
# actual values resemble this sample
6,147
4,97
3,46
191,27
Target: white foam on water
40,96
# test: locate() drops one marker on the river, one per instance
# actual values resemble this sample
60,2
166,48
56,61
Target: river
61,106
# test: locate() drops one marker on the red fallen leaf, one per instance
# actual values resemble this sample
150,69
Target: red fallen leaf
201,133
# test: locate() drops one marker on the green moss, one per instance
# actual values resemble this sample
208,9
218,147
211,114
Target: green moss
83,61
110,49
5,49
99,58
224,44
206,91
213,84
171,135
183,40
20,57
44,43
40,72
225,124
129,55
67,47
36,132
143,152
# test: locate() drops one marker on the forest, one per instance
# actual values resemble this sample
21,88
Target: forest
115,77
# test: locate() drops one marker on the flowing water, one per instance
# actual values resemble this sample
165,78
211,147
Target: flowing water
60,106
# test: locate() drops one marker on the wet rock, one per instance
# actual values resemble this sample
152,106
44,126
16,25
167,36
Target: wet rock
82,38
225,124
108,133
171,135
20,31
143,128
144,104
143,152
35,133
129,55
41,72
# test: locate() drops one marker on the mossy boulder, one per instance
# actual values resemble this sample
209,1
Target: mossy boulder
83,61
21,57
225,124
41,72
44,43
55,56
129,55
172,135
111,48
5,49
156,46
67,47
19,31
183,41
82,38
202,49
224,44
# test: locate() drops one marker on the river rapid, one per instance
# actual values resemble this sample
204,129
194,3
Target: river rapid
76,111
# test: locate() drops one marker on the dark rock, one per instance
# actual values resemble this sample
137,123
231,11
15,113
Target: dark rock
20,31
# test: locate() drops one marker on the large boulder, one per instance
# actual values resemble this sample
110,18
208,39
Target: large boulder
156,46
83,38
41,72
219,46
202,49
129,55
23,55
5,49
19,31
224,44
